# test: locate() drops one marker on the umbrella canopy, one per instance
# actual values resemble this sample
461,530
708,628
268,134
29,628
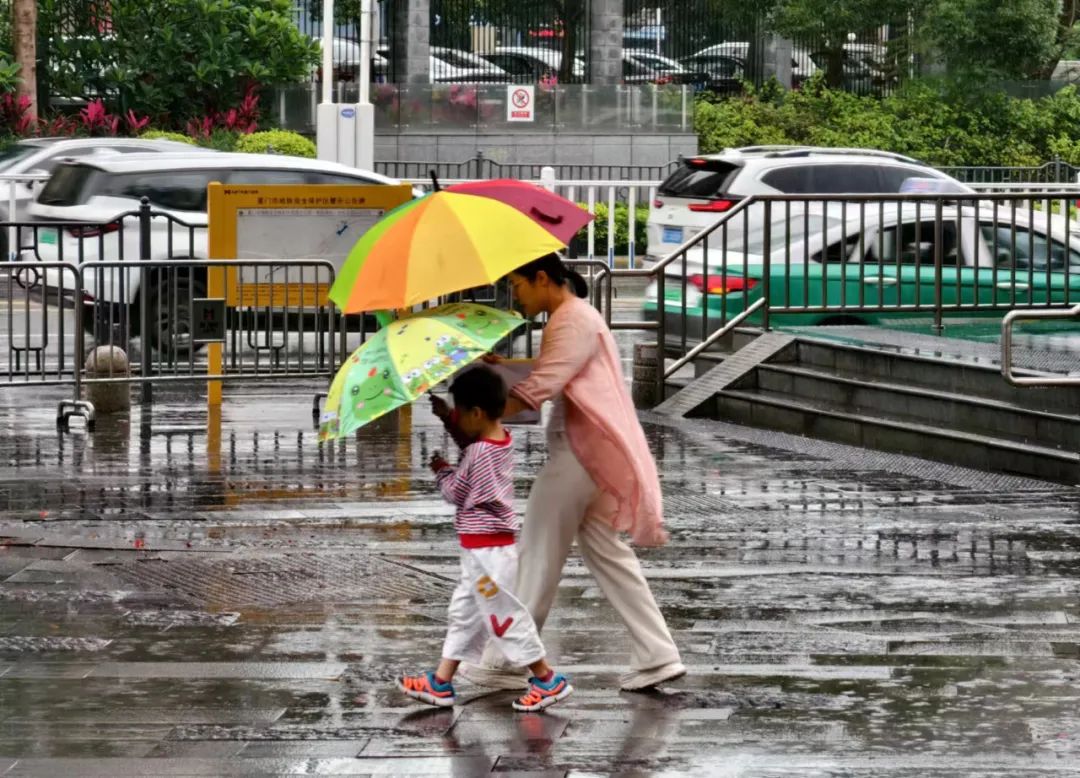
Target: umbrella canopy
441,243
559,216
406,358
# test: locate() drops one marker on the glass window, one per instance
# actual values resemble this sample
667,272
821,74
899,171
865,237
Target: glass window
790,180
837,251
69,185
176,191
16,152
267,177
892,176
700,179
914,244
513,64
332,178
844,179
1017,248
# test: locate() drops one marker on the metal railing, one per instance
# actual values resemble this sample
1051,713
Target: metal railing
1007,371
862,258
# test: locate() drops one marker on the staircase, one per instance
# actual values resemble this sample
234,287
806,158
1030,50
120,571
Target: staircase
942,408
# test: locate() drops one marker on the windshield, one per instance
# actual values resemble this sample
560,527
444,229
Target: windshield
699,179
14,153
68,186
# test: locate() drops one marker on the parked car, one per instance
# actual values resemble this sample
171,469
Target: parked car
100,190
705,186
719,56
451,66
534,63
645,67
881,255
40,156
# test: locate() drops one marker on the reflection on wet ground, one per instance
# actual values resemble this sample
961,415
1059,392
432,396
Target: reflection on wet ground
179,599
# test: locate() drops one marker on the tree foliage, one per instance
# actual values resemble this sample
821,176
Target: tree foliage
176,59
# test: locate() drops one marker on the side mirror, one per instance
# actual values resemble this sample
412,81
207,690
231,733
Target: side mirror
36,172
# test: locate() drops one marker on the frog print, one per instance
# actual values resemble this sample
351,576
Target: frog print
454,353
474,321
437,368
374,395
416,382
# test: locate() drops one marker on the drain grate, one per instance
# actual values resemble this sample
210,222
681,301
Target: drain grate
282,579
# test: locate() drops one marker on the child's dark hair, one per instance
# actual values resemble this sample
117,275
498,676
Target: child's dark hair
480,387
559,273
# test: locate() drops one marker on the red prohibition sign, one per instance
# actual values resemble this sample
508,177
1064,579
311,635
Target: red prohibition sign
520,98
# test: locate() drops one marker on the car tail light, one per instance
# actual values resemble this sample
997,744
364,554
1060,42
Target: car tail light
697,162
658,203
713,206
721,285
94,231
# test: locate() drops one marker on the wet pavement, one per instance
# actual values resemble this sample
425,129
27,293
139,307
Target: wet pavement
187,595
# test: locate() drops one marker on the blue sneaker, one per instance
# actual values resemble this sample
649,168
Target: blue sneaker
542,695
427,689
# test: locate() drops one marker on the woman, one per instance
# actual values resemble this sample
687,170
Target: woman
600,477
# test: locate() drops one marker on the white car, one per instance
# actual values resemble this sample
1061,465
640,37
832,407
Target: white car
718,55
449,66
99,191
40,156
704,187
532,62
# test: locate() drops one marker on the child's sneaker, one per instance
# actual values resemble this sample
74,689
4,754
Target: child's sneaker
540,695
426,689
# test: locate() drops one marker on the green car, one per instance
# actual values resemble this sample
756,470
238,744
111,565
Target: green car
881,264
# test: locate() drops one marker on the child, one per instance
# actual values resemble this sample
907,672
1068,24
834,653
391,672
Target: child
483,607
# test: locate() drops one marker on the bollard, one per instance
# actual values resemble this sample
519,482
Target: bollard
108,362
643,389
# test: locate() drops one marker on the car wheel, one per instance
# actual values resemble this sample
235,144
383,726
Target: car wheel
170,316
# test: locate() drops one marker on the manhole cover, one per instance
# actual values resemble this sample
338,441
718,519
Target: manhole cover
280,579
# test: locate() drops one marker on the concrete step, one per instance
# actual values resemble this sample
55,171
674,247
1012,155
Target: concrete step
822,419
959,377
932,407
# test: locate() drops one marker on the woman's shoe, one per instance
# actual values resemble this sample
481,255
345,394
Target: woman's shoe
639,680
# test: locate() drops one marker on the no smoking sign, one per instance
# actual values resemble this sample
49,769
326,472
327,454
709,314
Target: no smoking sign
519,103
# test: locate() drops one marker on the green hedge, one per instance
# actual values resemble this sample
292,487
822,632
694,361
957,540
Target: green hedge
179,137
935,122
277,142
622,230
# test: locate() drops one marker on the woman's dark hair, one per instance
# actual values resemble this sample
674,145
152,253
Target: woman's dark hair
559,273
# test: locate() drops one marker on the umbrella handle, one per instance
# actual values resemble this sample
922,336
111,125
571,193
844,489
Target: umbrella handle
545,217
434,181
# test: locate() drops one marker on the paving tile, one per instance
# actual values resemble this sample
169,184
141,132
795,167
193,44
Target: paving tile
306,749
239,670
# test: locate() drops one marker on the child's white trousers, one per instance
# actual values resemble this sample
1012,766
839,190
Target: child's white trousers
484,608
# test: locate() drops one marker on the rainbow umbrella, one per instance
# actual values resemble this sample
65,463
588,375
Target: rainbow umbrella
559,216
441,243
406,358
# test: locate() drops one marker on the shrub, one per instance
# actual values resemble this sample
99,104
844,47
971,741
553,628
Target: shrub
277,142
622,230
179,137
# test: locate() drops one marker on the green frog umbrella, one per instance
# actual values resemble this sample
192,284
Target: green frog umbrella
406,358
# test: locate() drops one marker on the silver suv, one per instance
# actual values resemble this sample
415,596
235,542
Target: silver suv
703,187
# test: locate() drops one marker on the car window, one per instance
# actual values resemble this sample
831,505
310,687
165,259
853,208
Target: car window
914,244
1017,248
331,178
69,185
49,164
177,190
700,179
790,180
837,251
842,179
268,177
513,64
892,176
16,152
720,67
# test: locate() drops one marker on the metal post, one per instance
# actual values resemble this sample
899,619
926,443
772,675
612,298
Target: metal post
938,237
145,319
328,51
766,250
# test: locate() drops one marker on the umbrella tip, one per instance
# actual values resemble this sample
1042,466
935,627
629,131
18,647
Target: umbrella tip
434,180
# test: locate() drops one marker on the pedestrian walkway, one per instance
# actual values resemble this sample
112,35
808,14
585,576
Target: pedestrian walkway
182,597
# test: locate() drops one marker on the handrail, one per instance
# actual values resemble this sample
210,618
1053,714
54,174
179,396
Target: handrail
1006,347
727,328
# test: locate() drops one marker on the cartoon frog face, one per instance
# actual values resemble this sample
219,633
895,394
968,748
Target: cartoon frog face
474,321
374,394
415,381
